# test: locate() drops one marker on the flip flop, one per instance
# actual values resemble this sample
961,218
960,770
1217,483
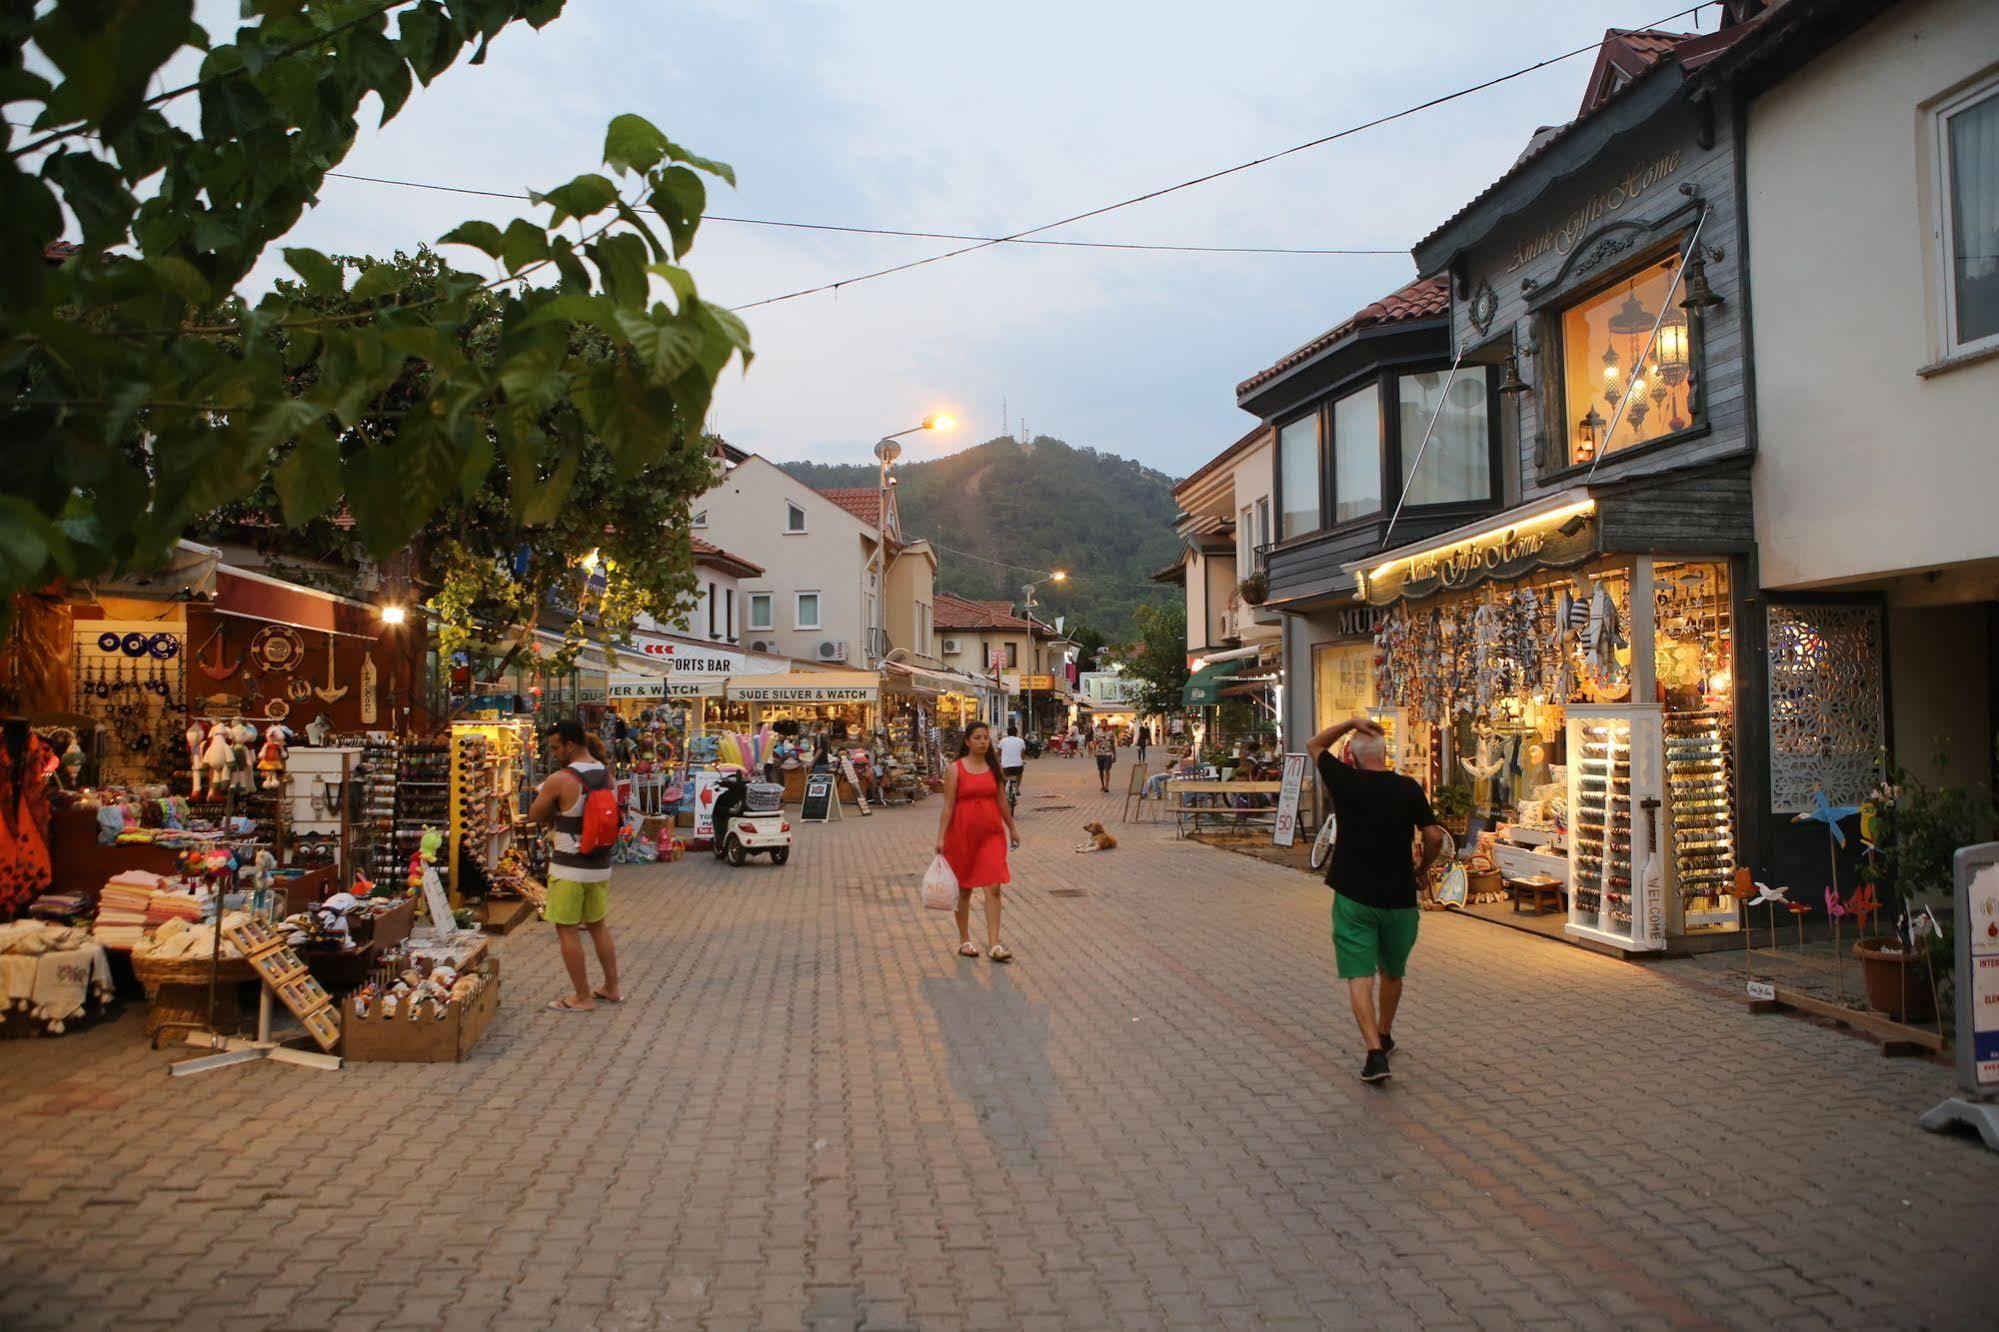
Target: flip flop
968,949
564,1006
999,953
603,998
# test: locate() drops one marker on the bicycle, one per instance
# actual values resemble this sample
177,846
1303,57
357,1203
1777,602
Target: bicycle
1322,845
1012,793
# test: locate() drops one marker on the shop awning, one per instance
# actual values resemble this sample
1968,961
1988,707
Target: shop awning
249,595
649,685
1243,688
925,680
1204,686
808,687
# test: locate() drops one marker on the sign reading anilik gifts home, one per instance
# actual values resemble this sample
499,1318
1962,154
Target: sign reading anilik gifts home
1563,236
1548,541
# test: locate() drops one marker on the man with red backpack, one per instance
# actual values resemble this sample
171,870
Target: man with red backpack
580,802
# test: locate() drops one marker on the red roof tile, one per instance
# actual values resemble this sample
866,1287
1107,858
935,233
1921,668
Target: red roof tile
1425,298
707,552
864,502
949,611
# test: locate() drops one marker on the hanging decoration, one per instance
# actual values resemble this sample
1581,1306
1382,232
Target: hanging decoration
368,690
277,647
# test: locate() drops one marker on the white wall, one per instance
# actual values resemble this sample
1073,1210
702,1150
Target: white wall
1865,466
712,586
746,517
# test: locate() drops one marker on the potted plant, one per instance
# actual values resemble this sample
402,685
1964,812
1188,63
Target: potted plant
1913,831
1452,806
1254,588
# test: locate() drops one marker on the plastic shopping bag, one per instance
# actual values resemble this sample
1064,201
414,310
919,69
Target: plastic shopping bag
940,886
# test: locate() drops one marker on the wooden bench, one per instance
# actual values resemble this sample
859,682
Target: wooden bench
1544,894
1192,799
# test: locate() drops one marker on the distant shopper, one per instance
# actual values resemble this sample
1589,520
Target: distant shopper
579,883
1373,875
1144,741
1104,746
1012,752
974,833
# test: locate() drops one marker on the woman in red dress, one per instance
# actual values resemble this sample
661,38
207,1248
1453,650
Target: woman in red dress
974,836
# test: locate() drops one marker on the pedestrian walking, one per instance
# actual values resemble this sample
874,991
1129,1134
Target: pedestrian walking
1373,876
1104,746
579,882
1144,741
974,834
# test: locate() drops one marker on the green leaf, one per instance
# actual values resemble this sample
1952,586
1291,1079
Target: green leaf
427,40
621,263
732,328
28,543
677,278
322,276
664,347
107,53
678,197
376,280
308,481
180,277
524,244
585,196
96,193
712,167
478,234
283,420
633,143
575,308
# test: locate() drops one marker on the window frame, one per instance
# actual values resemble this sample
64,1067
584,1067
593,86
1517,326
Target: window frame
1979,90
711,599
1381,382
1279,426
798,610
1495,450
1552,458
698,519
729,613
769,624
803,522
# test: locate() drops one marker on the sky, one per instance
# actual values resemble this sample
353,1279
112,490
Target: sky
986,120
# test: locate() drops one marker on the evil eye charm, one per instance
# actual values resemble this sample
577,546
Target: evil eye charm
107,642
164,646
133,644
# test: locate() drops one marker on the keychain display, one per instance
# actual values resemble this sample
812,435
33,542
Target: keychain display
131,681
277,647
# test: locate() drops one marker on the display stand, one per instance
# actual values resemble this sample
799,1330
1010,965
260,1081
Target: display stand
1616,879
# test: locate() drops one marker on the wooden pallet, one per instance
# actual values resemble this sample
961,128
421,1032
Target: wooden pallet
285,974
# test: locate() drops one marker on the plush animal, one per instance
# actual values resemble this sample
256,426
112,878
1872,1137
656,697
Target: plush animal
1100,840
217,760
271,758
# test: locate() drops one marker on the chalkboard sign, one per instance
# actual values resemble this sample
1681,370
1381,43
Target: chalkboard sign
819,802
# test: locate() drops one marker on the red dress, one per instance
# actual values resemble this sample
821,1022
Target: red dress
975,843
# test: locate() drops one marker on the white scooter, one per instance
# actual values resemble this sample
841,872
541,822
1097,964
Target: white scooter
750,821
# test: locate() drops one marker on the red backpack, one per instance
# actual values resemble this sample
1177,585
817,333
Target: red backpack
600,818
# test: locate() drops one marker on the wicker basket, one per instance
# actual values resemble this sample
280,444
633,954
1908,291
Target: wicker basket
154,973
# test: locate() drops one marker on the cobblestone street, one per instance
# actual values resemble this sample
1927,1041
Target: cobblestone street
812,1114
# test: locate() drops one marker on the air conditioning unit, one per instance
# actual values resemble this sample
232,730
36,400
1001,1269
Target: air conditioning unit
833,650
952,647
761,646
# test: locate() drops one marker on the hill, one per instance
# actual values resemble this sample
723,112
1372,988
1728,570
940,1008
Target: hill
1040,506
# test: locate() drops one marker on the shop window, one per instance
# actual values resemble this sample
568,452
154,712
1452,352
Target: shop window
1968,162
1298,476
1605,356
1456,464
760,610
794,518
1357,455
1342,681
807,609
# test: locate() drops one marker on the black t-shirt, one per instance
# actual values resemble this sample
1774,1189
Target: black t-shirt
1379,813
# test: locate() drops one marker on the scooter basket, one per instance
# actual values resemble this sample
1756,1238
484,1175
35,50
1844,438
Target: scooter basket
763,798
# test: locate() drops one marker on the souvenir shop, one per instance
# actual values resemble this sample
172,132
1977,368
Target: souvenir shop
233,802
1577,712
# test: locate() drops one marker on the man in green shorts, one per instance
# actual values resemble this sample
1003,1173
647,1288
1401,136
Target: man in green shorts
1373,875
579,882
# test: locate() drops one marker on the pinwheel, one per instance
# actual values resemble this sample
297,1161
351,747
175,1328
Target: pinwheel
1863,906
1766,896
1828,814
1837,910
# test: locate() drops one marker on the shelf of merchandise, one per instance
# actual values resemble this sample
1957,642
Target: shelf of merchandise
381,759
1613,765
422,797
492,764
1701,803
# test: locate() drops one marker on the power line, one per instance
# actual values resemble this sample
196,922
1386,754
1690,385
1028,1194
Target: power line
1212,175
890,231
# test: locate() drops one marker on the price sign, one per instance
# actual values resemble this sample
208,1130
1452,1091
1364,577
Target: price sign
1285,832
819,802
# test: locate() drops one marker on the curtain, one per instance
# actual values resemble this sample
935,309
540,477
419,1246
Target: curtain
1973,142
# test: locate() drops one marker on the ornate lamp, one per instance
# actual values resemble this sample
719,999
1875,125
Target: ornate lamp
1699,295
1588,437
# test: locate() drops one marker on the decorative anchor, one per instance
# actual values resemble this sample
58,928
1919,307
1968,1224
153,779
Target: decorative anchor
332,693
216,670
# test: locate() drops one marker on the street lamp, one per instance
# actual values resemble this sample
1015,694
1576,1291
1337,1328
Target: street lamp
1027,596
887,450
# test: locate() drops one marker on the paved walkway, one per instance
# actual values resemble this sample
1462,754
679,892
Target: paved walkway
811,1114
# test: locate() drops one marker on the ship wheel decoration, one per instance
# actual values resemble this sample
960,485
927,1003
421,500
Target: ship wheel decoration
277,647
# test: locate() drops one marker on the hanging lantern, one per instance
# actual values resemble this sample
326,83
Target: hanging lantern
1588,436
1699,296
1512,383
1673,347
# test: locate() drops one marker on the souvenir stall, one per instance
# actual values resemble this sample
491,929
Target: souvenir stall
802,711
1583,712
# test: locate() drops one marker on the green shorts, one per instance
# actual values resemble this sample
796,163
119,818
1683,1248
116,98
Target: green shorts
573,903
1369,939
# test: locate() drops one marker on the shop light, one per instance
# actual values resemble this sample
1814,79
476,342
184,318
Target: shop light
394,615
1553,518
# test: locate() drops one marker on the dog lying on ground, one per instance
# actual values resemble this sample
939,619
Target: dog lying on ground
1099,839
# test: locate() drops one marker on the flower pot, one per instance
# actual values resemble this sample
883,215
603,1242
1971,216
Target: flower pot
1254,596
1898,983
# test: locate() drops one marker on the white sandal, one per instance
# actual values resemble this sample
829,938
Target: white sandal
968,949
999,953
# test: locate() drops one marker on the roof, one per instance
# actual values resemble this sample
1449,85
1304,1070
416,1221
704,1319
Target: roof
1207,468
1425,298
1650,56
708,553
1623,55
864,502
949,611
1175,572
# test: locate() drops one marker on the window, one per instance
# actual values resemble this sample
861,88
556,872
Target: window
794,518
1245,539
1357,454
1456,465
1603,337
729,613
1968,161
760,606
1263,521
1013,656
807,616
923,628
1298,475
700,518
711,610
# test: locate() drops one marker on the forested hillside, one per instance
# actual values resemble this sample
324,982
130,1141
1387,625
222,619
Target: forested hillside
1041,506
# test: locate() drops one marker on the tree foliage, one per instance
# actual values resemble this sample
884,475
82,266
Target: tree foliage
1158,660
141,391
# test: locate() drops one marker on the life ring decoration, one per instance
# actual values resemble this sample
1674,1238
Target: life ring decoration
299,690
277,647
277,709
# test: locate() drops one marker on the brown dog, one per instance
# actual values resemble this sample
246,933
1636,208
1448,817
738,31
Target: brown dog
1099,839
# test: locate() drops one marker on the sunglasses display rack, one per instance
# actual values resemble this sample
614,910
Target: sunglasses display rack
423,796
381,758
472,802
1702,800
1613,776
